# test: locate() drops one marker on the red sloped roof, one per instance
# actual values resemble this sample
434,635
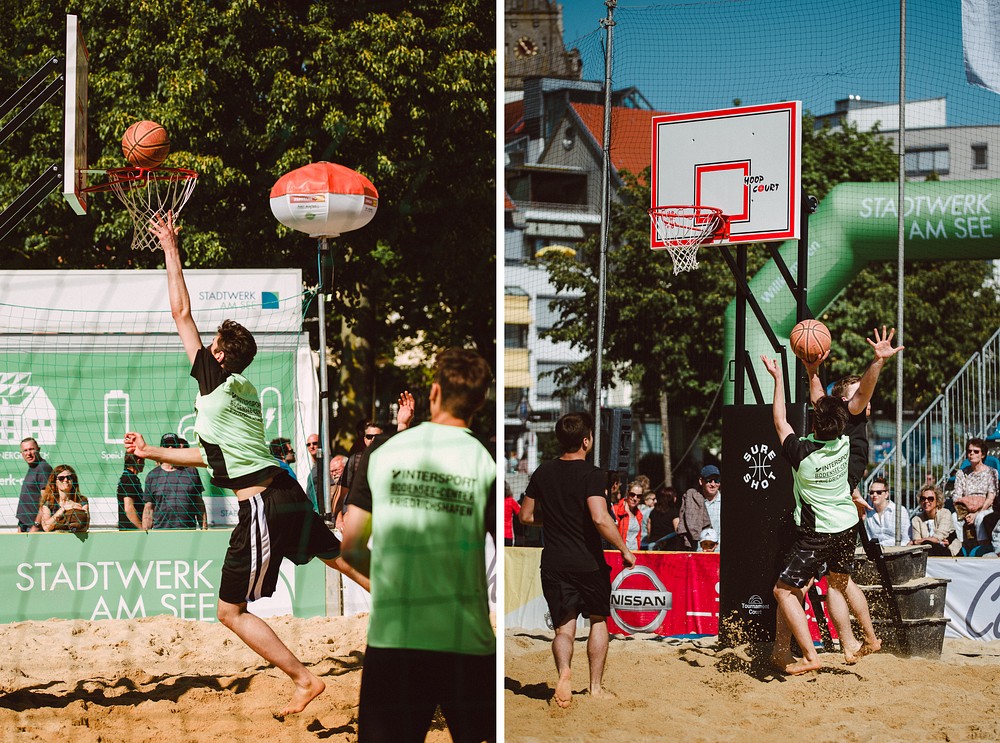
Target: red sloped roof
513,118
631,133
508,205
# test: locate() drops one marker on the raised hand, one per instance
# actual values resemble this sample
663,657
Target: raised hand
407,406
162,226
882,345
772,366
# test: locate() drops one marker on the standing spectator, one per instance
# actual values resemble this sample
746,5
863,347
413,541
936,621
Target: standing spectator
511,462
281,449
130,493
63,507
430,642
567,495
663,522
631,522
367,431
881,522
173,494
511,508
974,493
316,455
934,524
647,505
701,508
31,487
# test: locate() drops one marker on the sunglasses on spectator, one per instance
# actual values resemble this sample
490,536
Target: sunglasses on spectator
635,495
712,479
311,444
370,436
928,499
877,492
64,477
973,451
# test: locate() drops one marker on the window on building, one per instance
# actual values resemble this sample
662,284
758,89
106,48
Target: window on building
512,396
515,336
927,161
545,318
546,386
979,160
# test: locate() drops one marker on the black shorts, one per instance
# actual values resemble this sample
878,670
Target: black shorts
569,594
400,689
276,523
815,554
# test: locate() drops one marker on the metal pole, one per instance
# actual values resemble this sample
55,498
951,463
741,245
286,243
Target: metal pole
609,25
900,254
324,388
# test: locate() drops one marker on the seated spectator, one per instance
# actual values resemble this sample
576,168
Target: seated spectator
974,493
129,494
934,524
510,509
663,522
63,507
881,522
708,541
631,524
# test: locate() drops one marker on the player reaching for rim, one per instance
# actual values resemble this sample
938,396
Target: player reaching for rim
276,519
827,466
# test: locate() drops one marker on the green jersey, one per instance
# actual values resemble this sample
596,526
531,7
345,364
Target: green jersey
230,426
820,475
429,491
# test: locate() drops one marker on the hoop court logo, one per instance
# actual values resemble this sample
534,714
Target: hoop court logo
644,594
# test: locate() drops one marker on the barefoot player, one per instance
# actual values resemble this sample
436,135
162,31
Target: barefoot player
567,495
825,516
276,519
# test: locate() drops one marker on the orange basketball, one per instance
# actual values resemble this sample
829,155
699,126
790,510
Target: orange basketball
145,144
810,339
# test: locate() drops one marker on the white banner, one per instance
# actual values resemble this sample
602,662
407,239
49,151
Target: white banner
981,43
972,600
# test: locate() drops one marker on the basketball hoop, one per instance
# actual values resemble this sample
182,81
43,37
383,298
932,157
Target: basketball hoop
683,228
147,193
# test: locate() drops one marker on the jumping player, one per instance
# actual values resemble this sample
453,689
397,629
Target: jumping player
276,519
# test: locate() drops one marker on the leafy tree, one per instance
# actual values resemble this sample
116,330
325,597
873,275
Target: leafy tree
402,92
664,333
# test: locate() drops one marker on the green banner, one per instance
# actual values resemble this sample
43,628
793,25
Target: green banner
127,575
78,405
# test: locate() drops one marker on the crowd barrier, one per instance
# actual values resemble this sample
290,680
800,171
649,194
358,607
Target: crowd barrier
677,594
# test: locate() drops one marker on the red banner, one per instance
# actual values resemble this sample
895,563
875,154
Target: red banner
671,593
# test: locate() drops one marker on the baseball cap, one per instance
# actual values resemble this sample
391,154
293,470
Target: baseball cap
173,441
710,470
709,535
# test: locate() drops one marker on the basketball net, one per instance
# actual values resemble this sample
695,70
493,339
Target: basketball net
682,229
147,193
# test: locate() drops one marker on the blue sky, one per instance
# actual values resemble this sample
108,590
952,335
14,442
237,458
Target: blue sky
699,55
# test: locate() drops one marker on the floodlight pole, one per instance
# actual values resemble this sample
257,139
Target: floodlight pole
609,25
897,475
324,261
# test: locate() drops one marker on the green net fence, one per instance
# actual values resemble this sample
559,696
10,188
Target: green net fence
668,339
76,378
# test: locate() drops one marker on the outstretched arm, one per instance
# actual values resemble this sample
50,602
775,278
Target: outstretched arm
781,425
816,390
136,444
180,301
882,347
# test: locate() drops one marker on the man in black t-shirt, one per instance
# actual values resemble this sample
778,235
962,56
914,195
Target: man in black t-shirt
566,496
129,494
